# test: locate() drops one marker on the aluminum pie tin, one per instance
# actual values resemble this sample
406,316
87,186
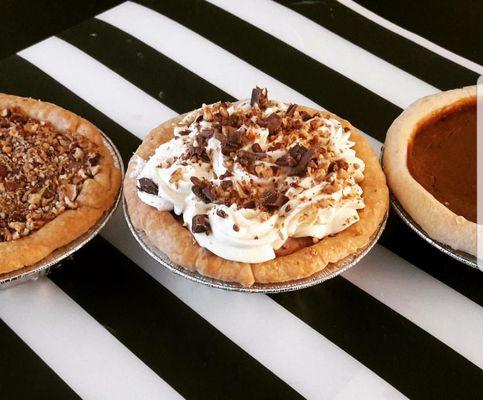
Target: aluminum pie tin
329,272
54,259
459,255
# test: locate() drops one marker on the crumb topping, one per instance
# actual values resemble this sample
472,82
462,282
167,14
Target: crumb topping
42,171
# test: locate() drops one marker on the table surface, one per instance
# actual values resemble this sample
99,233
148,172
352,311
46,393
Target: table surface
113,324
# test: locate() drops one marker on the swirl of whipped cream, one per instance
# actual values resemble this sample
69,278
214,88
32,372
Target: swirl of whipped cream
251,193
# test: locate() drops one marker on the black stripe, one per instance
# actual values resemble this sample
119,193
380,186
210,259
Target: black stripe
239,37
414,344
23,373
321,84
184,349
407,55
452,24
404,355
25,22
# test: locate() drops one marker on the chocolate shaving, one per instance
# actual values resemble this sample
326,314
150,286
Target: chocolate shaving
221,213
203,189
200,223
256,148
225,185
246,158
301,168
146,185
250,204
198,152
273,199
225,175
184,132
291,110
260,97
206,133
273,123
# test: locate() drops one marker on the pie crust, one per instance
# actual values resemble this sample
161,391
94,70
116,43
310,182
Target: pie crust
97,193
439,222
171,237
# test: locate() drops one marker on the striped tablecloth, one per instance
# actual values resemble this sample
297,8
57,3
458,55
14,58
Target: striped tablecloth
113,324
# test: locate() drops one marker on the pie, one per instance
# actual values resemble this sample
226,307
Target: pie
57,178
430,163
256,191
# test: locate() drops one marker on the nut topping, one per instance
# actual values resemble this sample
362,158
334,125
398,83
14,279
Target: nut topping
42,171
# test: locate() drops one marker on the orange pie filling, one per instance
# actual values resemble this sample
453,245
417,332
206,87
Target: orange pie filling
442,157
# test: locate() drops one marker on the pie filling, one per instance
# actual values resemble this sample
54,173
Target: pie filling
250,177
442,157
42,171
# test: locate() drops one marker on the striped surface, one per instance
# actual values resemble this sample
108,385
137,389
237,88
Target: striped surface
406,322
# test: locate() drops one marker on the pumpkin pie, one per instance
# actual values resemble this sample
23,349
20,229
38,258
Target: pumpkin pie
430,162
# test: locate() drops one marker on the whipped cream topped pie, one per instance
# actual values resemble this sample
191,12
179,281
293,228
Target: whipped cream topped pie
257,190
56,179
430,161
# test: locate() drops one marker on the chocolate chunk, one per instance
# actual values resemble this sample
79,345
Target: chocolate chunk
234,141
198,152
203,190
246,158
305,115
221,213
337,165
256,148
273,199
260,97
286,161
225,175
273,123
249,204
206,133
184,132
200,223
236,228
146,185
301,168
291,110
225,185
3,171
208,194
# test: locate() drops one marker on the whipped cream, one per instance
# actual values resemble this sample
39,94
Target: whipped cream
318,202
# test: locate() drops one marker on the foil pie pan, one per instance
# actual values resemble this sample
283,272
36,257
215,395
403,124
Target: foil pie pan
329,272
461,256
54,259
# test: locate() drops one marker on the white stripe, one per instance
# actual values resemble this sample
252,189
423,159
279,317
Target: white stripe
368,70
412,36
82,352
289,348
424,300
204,58
138,120
438,325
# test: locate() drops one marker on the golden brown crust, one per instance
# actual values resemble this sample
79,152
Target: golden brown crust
435,218
168,234
96,196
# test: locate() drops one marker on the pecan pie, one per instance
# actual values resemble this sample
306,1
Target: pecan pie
430,162
57,178
257,190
